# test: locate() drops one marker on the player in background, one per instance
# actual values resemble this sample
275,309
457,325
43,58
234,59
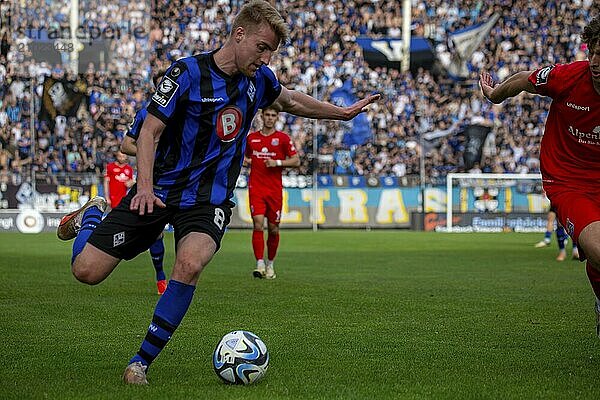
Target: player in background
118,178
561,237
570,150
268,152
200,116
129,147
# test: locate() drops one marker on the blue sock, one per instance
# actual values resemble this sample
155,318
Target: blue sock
169,312
90,220
548,236
562,237
157,253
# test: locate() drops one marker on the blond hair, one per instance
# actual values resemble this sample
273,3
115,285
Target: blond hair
259,12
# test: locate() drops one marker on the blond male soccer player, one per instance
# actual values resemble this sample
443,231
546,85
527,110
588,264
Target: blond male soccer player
200,115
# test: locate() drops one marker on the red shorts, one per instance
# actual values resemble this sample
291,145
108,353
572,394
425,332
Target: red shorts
575,208
267,204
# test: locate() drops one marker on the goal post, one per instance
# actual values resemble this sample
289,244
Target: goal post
483,180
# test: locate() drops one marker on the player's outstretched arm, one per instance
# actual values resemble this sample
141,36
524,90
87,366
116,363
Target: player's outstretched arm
512,86
303,105
145,200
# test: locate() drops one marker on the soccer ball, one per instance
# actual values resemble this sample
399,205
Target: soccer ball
241,358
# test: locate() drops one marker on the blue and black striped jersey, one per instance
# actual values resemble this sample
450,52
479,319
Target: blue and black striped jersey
207,114
135,126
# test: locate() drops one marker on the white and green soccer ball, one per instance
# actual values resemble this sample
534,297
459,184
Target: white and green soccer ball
241,357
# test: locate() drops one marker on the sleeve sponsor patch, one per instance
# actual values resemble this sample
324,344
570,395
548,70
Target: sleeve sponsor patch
541,78
165,92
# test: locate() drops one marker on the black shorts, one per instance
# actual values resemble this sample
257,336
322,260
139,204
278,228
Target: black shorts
124,233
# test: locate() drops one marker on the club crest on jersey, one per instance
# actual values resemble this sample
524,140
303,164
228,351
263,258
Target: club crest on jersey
251,92
542,76
166,91
229,123
275,142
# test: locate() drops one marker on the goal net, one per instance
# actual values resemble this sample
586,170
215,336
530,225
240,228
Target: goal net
495,203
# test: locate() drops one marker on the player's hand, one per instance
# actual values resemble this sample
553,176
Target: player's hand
360,106
270,163
487,85
108,202
144,201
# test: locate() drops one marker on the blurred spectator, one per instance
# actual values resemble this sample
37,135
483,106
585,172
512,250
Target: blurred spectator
321,55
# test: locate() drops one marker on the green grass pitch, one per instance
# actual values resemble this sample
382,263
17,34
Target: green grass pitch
351,315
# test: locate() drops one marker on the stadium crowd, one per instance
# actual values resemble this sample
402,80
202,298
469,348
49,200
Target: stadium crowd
322,54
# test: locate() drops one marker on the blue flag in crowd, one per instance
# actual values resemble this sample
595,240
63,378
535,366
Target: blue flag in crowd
358,131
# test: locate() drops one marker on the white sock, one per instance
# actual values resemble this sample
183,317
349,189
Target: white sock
260,264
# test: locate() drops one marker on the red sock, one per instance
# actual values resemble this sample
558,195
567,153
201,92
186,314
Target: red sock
258,244
594,277
272,245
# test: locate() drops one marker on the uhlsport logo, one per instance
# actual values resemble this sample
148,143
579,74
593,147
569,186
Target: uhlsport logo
578,107
251,92
229,123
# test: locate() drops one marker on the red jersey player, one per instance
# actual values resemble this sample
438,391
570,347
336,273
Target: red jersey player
570,150
267,152
118,178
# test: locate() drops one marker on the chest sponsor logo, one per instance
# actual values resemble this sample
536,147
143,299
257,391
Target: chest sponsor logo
122,177
229,123
592,137
263,154
166,91
542,76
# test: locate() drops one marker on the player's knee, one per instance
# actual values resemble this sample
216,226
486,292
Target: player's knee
85,272
187,268
273,229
